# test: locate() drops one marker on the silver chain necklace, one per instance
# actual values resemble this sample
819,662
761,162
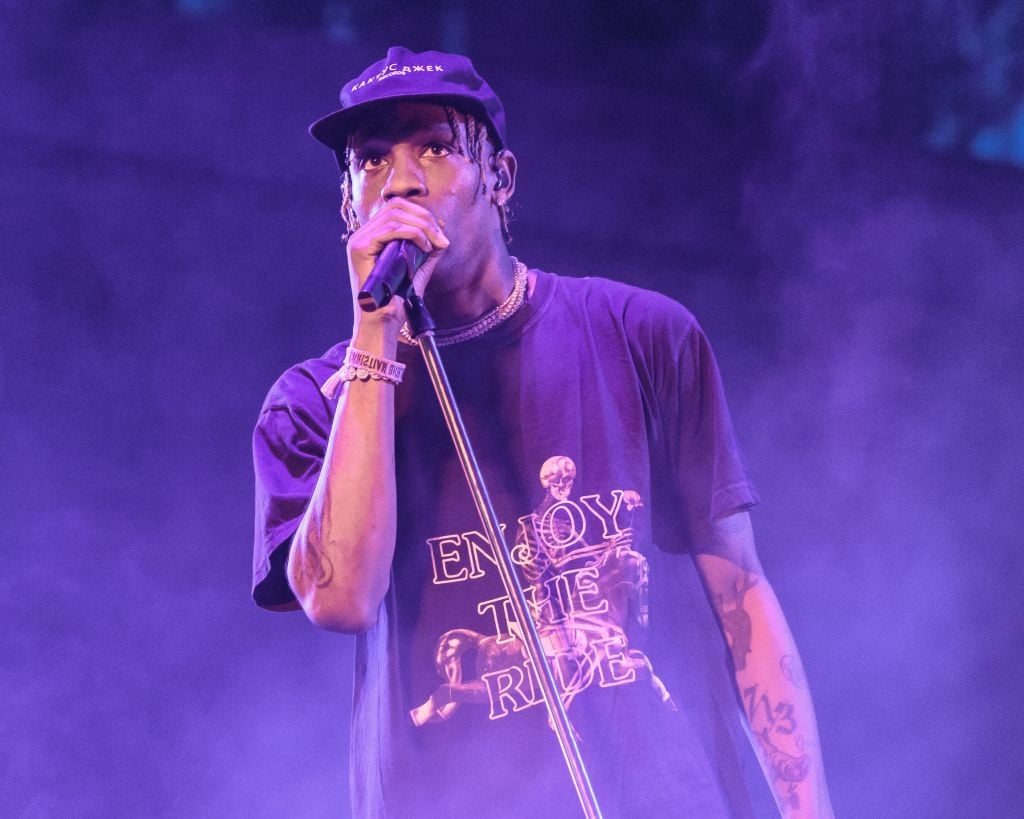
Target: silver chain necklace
489,320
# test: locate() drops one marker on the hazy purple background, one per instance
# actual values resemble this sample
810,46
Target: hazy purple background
815,184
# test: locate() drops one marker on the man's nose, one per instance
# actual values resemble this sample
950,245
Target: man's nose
405,178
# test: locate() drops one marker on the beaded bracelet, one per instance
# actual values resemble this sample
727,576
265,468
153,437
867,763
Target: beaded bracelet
363,366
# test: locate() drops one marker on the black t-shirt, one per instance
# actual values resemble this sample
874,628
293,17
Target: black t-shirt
598,419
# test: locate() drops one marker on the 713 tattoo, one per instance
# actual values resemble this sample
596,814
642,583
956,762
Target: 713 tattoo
779,718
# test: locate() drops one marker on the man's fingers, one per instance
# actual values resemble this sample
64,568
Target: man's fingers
388,226
406,212
393,230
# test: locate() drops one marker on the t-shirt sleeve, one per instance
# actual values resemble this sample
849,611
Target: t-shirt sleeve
288,448
703,464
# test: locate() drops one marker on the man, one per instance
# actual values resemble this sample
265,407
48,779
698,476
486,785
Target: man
597,415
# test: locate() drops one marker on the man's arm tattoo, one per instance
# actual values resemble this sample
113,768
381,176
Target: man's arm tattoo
768,719
316,566
778,718
735,621
787,770
794,672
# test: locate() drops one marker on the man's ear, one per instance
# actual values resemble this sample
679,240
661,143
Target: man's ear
503,169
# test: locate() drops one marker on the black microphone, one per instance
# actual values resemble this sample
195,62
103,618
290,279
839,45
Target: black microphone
391,274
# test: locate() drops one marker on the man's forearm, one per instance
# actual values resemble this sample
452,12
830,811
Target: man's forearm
340,562
775,696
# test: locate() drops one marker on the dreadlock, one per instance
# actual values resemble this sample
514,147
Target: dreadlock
470,141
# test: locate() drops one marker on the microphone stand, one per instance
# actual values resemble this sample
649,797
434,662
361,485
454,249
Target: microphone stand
422,326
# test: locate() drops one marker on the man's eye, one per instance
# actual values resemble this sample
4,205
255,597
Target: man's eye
438,149
369,163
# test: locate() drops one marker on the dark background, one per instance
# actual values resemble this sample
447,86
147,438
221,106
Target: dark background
835,190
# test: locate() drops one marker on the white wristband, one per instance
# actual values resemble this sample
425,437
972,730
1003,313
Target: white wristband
363,366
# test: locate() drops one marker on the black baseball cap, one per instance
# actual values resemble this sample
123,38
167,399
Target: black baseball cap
431,76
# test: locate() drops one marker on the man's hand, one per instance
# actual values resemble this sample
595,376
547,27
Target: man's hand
396,219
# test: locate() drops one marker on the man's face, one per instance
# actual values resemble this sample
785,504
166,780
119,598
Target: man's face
408,150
